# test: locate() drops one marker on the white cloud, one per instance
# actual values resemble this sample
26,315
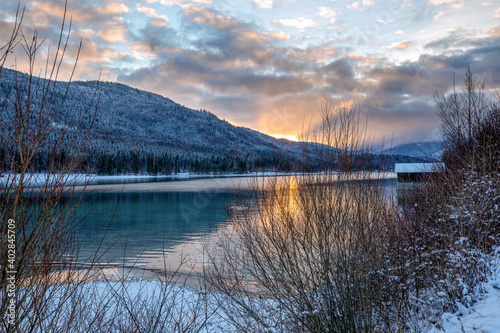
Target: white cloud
355,5
361,5
299,23
113,8
439,2
116,34
264,4
181,3
439,15
327,13
497,13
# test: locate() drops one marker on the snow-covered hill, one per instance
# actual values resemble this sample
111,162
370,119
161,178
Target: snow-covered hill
138,131
132,117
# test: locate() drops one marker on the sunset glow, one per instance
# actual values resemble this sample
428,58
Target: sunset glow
290,137
265,64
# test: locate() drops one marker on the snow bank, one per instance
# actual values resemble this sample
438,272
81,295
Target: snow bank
484,316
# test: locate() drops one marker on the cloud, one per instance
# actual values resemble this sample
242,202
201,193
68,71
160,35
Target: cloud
439,2
494,32
354,5
247,74
159,24
151,13
279,35
115,34
457,37
208,17
271,79
82,12
299,23
181,3
440,14
356,57
404,45
112,9
357,5
264,4
327,13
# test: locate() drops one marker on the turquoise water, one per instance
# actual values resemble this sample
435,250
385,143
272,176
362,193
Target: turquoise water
138,224
142,224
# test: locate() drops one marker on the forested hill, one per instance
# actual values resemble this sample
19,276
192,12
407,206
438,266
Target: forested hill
139,117
140,125
136,131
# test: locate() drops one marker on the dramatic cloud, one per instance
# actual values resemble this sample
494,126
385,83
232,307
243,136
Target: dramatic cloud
265,64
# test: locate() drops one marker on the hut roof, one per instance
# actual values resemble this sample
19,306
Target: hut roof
417,167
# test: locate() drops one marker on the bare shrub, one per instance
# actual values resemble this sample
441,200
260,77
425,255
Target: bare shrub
310,252
54,291
41,208
453,220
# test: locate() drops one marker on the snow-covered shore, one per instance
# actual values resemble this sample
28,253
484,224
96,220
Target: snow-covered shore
39,179
117,299
484,316
144,183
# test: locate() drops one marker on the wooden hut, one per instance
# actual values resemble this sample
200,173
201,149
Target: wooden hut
411,174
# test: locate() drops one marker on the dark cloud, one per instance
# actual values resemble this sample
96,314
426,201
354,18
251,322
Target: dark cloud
456,38
341,69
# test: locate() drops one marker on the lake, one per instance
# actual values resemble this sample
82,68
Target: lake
152,225
141,224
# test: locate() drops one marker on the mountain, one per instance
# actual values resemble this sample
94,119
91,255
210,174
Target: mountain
132,117
136,131
430,150
135,124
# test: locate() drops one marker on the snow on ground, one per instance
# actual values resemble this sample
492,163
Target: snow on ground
484,316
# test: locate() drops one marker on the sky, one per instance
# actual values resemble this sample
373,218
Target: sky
269,64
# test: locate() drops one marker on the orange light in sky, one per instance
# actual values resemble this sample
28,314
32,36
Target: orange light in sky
290,137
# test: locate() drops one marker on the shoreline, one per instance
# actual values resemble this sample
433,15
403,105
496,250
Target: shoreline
92,181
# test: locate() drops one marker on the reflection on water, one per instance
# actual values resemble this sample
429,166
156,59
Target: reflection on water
151,220
147,224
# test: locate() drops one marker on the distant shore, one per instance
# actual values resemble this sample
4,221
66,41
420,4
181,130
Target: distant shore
92,181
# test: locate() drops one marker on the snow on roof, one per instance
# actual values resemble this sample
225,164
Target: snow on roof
417,167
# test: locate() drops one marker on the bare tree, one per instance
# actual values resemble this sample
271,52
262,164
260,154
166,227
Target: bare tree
463,116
